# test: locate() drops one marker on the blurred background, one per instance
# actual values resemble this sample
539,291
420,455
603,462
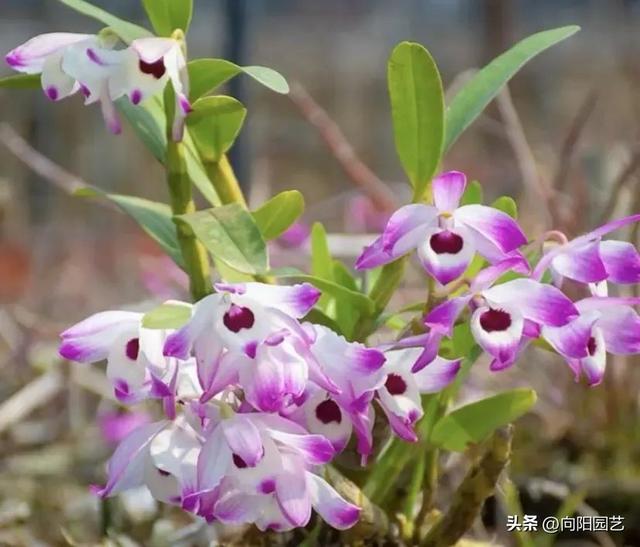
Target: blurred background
564,140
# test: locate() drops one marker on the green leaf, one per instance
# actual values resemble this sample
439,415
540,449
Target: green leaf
343,276
153,217
170,315
486,84
507,205
149,122
474,422
169,15
321,261
214,125
472,194
205,75
276,215
126,30
21,81
417,108
231,235
346,316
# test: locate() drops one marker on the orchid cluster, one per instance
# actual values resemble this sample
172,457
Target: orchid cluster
257,386
70,62
255,403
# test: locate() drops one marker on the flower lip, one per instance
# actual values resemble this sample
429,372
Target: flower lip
494,320
239,462
328,411
155,69
592,346
395,384
238,318
446,242
133,348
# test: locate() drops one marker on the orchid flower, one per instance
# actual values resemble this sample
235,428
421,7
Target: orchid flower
445,235
605,325
400,394
502,315
149,65
590,259
69,62
357,371
255,323
259,469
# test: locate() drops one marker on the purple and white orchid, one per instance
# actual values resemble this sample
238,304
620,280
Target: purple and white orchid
445,235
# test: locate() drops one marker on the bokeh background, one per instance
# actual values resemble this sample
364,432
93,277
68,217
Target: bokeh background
564,141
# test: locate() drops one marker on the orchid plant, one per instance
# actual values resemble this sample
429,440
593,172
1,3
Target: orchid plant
271,399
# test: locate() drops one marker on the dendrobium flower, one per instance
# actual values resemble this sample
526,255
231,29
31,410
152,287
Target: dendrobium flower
502,315
357,372
70,62
400,394
605,325
149,64
445,235
590,259
135,363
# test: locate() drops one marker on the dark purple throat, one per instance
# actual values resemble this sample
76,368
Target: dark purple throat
155,69
328,411
495,320
238,317
446,243
395,384
133,348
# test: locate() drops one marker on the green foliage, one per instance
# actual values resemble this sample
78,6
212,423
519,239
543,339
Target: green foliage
275,216
153,217
170,315
507,205
486,84
472,194
214,125
321,261
417,108
169,15
473,423
21,81
126,30
231,235
205,75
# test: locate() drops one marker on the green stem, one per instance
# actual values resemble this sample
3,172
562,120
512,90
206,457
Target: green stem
224,181
181,200
180,192
409,505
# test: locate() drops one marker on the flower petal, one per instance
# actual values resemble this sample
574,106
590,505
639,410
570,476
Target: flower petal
292,493
264,383
438,375
593,366
214,461
30,57
620,326
153,48
243,438
336,511
538,302
204,313
55,82
325,417
314,449
237,507
581,263
572,340
126,467
443,317
621,260
91,340
175,450
407,227
447,190
498,227
294,300
373,255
